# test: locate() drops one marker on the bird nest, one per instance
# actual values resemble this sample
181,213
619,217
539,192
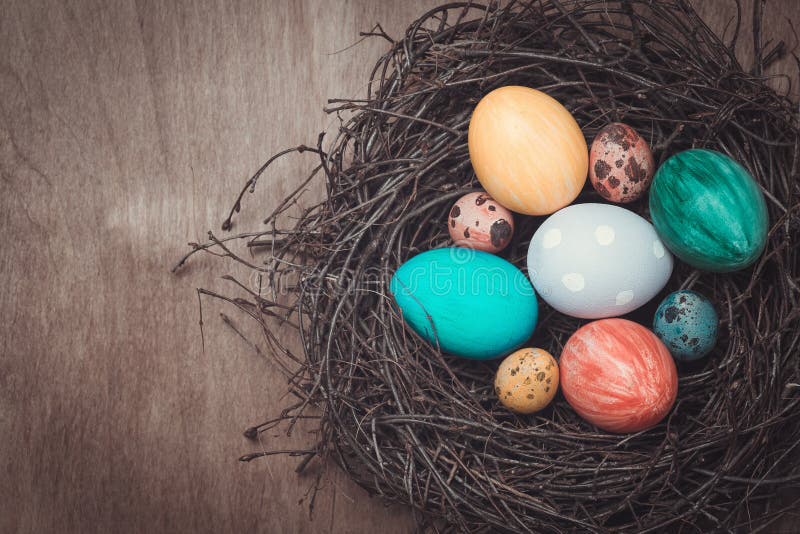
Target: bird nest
420,427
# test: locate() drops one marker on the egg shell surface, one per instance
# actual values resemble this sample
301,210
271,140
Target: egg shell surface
478,221
687,323
618,375
621,165
527,380
527,150
709,211
467,302
597,260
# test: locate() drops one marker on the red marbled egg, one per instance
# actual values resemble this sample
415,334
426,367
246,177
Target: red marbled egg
621,165
618,375
478,221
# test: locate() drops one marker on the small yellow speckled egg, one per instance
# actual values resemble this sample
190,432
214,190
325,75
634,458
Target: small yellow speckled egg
527,380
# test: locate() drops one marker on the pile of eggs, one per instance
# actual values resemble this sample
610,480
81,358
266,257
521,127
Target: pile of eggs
595,261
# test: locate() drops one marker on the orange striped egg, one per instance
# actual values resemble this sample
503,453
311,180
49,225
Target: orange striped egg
618,375
527,150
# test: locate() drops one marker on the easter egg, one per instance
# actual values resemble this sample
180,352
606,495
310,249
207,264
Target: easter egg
467,302
618,375
527,150
709,211
621,165
597,260
686,322
477,221
527,380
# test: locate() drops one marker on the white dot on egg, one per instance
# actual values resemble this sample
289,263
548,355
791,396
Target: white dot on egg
624,297
573,281
551,238
604,234
658,249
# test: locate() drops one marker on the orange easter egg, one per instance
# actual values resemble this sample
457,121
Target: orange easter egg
618,375
527,150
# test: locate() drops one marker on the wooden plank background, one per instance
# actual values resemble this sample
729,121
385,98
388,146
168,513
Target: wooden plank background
126,128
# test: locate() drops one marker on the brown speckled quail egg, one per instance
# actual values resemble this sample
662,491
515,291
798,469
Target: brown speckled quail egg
477,221
621,165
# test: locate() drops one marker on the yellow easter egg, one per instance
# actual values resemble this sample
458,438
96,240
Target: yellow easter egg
527,380
527,150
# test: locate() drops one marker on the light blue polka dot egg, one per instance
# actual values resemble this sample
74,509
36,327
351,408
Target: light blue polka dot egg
597,260
687,323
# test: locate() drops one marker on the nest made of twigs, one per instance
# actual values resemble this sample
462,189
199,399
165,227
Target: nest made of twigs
422,428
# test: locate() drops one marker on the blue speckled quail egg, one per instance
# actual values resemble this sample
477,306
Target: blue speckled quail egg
687,322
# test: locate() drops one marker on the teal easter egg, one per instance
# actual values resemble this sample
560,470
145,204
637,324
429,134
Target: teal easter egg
468,303
709,211
687,323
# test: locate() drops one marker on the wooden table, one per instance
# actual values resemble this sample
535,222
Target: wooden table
126,128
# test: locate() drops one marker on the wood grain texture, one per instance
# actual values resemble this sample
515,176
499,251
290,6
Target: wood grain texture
126,128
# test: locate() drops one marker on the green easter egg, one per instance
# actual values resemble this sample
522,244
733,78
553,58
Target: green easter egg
709,211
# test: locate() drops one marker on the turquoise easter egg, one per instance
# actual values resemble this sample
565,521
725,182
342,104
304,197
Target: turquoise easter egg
686,322
468,303
709,211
